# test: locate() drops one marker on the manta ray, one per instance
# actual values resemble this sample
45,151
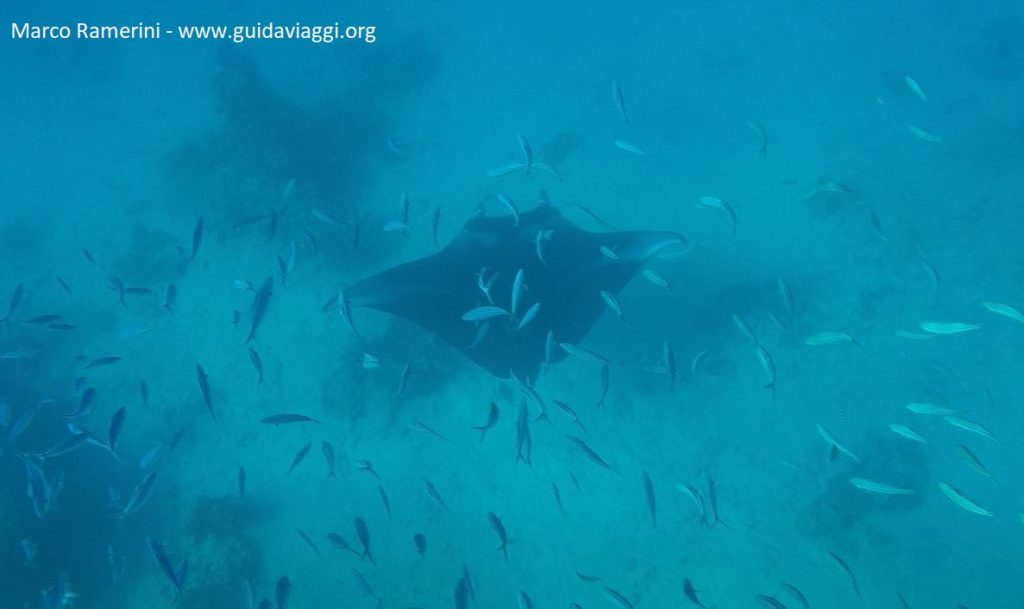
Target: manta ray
563,268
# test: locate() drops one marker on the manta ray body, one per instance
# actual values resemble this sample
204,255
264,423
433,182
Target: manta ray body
564,269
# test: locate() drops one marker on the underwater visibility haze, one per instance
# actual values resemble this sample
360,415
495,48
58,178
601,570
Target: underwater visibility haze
546,305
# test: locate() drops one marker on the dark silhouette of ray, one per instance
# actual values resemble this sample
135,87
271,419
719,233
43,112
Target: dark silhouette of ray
435,292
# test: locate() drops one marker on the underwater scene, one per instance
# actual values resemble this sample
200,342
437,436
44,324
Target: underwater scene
544,305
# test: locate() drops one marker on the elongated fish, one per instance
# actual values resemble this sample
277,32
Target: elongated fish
1004,309
652,506
744,328
930,409
435,223
720,206
345,310
880,488
587,578
299,457
485,313
569,412
328,452
620,102
605,384
525,602
106,360
85,404
630,148
422,427
691,594
557,494
797,594
849,573
906,432
204,388
524,146
971,426
618,598
832,442
259,306
768,364
434,494
656,278
915,88
518,285
923,135
612,303
309,542
384,499
697,497
140,495
963,501
593,216
528,316
363,535
769,601
499,530
287,417
828,337
257,363
197,237
13,302
511,206
492,419
524,441
974,461
589,452
115,428
585,354
403,380
175,575
543,236
170,295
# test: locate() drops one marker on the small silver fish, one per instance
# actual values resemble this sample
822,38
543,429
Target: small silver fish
528,316
716,204
619,102
328,451
612,303
543,236
585,354
518,285
656,278
485,283
485,313
524,145
510,204
632,149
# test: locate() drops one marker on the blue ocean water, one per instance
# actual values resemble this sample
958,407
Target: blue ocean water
816,399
